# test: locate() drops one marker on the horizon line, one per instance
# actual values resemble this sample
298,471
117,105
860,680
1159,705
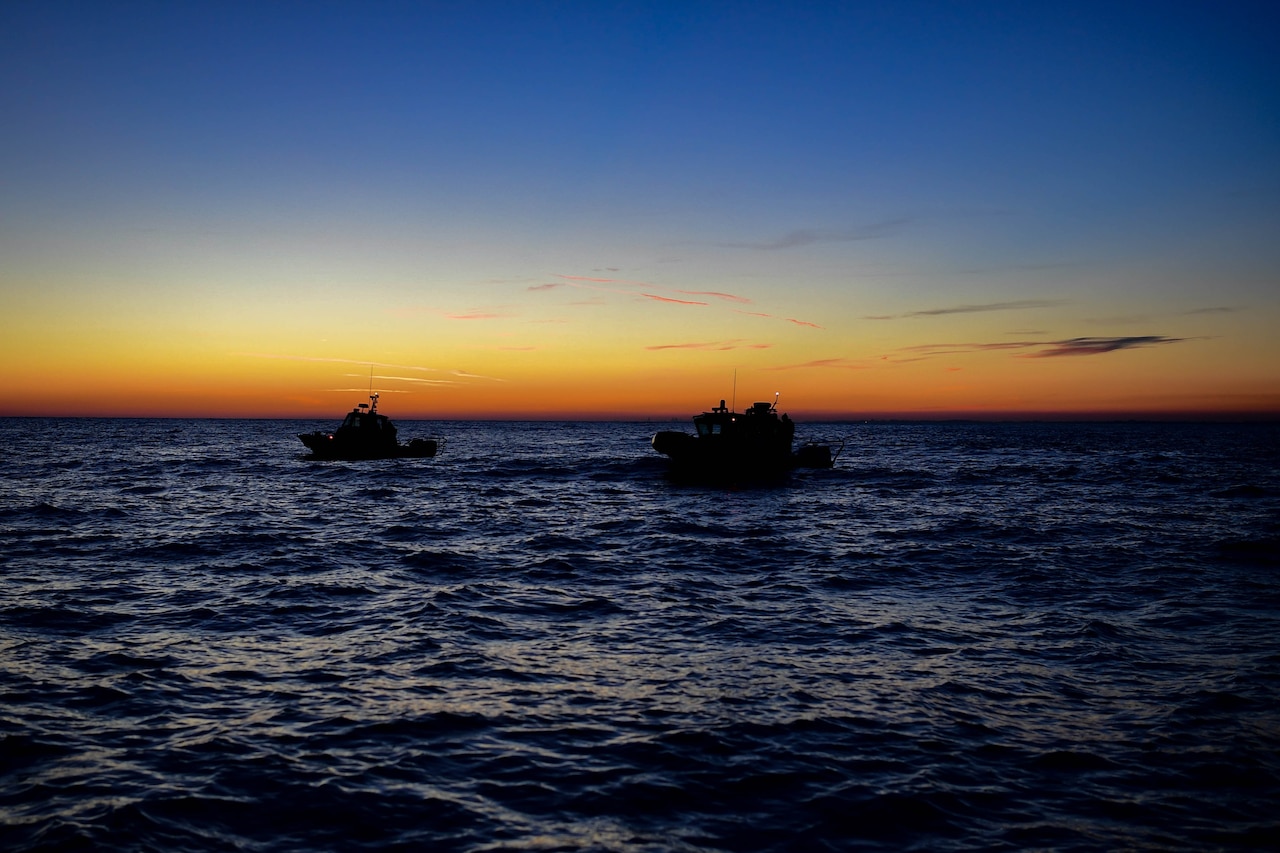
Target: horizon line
800,415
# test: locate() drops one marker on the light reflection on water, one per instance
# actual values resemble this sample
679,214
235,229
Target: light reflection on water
963,636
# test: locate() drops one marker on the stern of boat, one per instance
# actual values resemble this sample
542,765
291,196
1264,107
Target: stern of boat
672,443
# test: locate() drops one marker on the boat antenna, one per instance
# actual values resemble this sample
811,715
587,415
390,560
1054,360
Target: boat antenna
734,402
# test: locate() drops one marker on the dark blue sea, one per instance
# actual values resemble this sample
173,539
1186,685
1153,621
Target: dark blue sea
965,636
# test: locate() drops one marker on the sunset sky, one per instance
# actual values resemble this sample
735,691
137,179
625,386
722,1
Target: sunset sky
599,209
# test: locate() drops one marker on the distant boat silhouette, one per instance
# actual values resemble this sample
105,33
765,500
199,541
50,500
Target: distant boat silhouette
751,445
365,434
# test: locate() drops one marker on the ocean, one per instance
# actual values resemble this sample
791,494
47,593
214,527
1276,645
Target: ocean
964,636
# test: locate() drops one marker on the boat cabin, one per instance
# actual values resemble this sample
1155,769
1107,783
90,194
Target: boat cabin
761,420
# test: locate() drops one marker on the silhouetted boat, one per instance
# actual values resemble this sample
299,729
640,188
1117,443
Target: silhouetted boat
751,445
365,434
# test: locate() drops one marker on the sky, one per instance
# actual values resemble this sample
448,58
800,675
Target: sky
634,210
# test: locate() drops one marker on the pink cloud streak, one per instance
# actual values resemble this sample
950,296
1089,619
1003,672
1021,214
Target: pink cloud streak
669,299
728,297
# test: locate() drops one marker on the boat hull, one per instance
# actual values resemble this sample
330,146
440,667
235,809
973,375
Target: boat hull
737,457
725,459
331,446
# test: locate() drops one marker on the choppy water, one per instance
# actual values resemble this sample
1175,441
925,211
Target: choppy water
965,636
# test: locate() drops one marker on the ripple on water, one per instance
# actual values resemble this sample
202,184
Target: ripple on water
1058,636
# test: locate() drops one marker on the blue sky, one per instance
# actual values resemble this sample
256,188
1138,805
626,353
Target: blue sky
858,161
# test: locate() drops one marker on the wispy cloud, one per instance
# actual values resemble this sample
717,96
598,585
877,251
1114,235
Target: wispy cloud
1049,349
670,299
656,293
461,374
1097,346
972,308
365,390
589,283
1132,319
786,319
1217,309
1033,349
728,297
549,286
587,278
711,345
370,364
385,378
825,364
465,375
631,287
811,236
952,348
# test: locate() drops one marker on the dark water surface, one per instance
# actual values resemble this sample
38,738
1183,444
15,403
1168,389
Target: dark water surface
965,636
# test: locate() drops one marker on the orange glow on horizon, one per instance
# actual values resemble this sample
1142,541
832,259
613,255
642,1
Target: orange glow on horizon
638,360
829,394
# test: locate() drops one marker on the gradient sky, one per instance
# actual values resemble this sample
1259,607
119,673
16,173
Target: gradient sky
614,209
